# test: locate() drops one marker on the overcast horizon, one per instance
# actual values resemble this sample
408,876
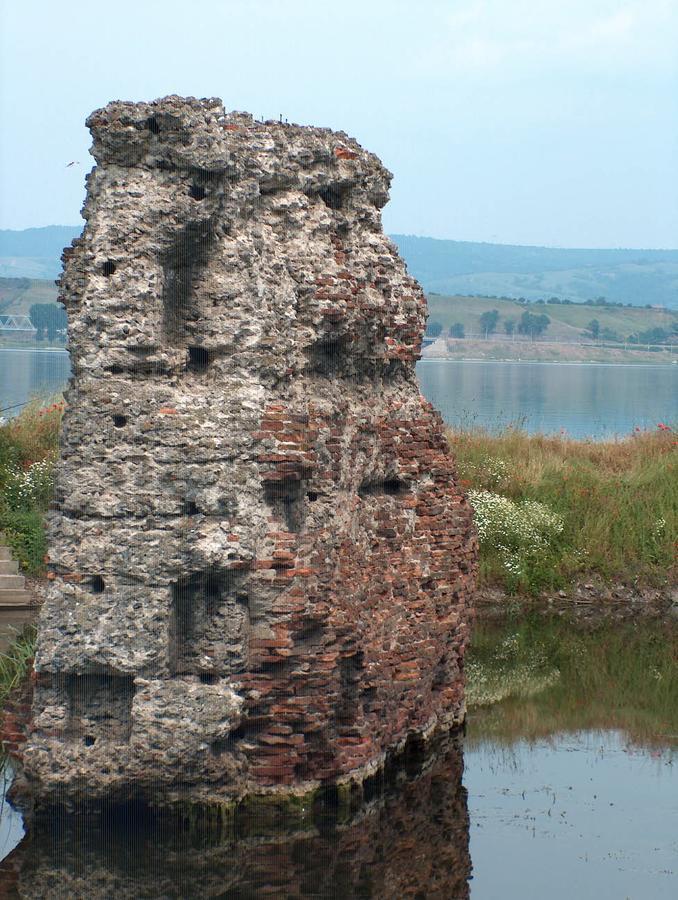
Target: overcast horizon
512,123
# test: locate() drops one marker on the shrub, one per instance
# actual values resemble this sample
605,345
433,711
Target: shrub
524,535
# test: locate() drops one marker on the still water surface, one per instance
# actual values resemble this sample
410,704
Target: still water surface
519,810
584,400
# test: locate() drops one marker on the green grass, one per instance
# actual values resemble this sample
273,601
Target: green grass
618,501
15,663
535,677
29,438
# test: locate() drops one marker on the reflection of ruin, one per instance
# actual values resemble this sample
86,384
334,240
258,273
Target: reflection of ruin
411,840
261,561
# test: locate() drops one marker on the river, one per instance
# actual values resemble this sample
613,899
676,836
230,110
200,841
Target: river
579,399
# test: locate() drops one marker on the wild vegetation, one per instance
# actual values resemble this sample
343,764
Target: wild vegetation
531,678
15,663
28,449
550,510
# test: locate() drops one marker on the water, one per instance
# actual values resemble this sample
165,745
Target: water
569,792
580,399
28,373
583,400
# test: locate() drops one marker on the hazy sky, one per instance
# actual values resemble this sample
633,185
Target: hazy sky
517,121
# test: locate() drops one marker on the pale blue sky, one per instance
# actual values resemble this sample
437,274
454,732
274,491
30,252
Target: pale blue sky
515,121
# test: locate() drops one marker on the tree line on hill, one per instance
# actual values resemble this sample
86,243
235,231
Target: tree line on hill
529,324
534,325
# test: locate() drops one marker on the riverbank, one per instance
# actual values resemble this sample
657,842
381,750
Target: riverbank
553,512
545,351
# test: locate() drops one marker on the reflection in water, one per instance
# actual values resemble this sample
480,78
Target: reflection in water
584,400
583,815
409,841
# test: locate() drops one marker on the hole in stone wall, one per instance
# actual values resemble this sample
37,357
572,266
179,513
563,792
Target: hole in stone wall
182,264
108,268
375,486
96,584
286,500
120,421
115,369
209,622
100,706
312,496
333,195
327,356
197,192
350,668
198,359
189,508
209,678
152,125
219,747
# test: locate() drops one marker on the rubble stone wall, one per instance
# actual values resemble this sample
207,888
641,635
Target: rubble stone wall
261,562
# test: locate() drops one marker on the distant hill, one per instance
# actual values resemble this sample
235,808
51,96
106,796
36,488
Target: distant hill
639,277
34,252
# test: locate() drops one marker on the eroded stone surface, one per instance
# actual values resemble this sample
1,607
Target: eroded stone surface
261,562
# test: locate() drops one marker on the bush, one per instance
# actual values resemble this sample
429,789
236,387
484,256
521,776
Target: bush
523,534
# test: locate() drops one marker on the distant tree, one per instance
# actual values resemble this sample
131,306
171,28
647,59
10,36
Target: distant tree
488,321
553,300
509,326
457,330
607,334
49,318
434,329
533,325
653,336
539,302
593,328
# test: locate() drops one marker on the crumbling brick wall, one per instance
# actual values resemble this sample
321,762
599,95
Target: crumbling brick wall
261,562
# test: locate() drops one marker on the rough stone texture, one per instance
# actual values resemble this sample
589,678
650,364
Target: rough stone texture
261,562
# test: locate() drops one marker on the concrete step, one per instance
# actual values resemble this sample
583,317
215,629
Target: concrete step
10,597
12,582
5,553
8,567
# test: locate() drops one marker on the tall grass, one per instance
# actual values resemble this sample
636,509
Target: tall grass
15,663
533,678
28,449
618,501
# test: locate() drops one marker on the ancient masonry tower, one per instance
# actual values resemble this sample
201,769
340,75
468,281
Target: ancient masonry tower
261,563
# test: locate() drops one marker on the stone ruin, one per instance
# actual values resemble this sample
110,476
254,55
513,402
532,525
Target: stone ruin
261,564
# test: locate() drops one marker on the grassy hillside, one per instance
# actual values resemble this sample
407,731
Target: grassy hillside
463,267
17,295
34,252
568,322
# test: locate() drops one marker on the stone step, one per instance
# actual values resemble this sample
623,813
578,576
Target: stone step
5,553
8,567
9,597
12,582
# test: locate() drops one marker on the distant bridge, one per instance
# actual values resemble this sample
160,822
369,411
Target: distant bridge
17,324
